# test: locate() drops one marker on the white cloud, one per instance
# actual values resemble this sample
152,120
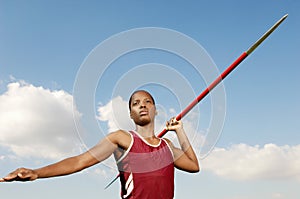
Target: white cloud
37,122
244,162
116,114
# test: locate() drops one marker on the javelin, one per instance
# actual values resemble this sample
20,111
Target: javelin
220,78
225,73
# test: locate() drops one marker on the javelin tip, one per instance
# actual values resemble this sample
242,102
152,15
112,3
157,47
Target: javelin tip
283,18
258,42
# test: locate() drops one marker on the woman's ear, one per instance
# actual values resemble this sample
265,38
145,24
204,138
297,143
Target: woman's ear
130,114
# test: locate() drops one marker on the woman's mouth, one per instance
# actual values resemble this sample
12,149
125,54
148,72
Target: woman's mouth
144,112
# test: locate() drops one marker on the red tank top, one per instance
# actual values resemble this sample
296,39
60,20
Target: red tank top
146,171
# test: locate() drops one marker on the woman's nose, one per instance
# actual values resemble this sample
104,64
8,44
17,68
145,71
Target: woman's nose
143,105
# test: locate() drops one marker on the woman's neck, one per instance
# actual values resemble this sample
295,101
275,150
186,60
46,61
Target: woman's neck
146,131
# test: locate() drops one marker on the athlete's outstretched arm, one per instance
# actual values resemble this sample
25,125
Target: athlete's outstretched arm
64,167
184,157
69,165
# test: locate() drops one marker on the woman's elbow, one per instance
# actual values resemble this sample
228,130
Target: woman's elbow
196,169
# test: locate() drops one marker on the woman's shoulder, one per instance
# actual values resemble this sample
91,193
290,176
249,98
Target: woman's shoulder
120,137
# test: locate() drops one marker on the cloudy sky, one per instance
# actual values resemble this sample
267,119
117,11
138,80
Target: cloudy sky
67,69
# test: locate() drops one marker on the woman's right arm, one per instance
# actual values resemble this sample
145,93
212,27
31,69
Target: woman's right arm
64,167
98,153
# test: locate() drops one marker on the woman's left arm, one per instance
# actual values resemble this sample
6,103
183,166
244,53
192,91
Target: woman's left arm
184,157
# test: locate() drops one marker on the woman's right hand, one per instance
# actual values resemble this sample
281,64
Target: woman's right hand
21,174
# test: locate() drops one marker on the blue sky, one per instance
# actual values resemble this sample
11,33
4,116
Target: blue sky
44,44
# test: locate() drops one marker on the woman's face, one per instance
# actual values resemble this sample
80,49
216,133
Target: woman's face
142,108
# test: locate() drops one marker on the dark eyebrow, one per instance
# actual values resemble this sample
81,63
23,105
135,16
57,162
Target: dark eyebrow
148,98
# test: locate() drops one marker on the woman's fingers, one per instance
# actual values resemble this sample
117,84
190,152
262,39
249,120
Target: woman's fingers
21,174
173,124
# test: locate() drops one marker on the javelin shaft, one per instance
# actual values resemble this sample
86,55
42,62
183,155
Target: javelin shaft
220,78
225,73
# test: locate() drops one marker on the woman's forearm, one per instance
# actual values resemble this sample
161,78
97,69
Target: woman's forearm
64,167
185,145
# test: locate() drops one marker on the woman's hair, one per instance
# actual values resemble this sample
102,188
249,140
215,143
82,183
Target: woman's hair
130,99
